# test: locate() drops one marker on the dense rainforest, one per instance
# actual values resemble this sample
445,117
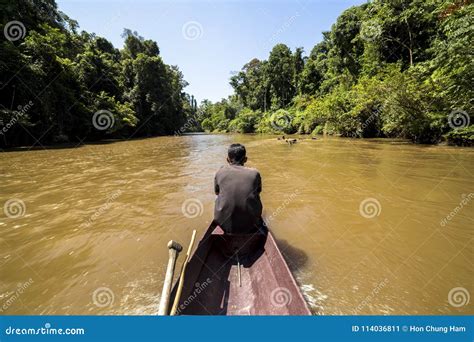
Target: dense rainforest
59,85
398,68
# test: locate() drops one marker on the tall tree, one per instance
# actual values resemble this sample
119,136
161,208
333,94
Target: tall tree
281,75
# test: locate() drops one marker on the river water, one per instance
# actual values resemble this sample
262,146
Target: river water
367,226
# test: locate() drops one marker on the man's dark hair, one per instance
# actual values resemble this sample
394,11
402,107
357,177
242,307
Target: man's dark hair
236,153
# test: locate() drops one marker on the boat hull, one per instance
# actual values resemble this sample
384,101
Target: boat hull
212,285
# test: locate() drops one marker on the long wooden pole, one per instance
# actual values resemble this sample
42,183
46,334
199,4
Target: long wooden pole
181,278
173,249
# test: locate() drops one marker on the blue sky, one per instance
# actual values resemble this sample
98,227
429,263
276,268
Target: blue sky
210,40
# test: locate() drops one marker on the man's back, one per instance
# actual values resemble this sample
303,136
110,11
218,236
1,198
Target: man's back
238,208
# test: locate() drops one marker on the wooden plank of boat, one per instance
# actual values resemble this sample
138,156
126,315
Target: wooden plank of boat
212,286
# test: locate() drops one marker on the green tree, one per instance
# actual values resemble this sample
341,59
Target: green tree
281,75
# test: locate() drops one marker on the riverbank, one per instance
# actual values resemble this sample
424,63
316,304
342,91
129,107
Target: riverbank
70,145
446,142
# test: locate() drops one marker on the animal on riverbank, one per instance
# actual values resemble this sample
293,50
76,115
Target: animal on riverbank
291,141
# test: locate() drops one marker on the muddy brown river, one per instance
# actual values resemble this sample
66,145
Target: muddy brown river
367,226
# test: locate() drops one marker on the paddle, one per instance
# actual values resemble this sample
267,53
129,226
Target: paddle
181,278
173,248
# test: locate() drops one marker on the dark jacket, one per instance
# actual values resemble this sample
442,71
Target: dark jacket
238,208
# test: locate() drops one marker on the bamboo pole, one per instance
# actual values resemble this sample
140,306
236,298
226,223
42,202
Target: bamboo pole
173,249
181,278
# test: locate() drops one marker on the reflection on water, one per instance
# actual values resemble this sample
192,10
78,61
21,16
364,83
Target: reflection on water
99,217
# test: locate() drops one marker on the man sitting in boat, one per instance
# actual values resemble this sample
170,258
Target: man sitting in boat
238,209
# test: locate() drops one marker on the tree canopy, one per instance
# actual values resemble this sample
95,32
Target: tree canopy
401,68
61,85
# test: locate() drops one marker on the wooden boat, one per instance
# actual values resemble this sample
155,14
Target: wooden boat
239,275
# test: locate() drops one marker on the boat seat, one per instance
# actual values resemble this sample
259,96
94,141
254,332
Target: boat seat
218,231
241,244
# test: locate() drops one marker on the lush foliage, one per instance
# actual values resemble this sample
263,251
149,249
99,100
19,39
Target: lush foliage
55,79
401,68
